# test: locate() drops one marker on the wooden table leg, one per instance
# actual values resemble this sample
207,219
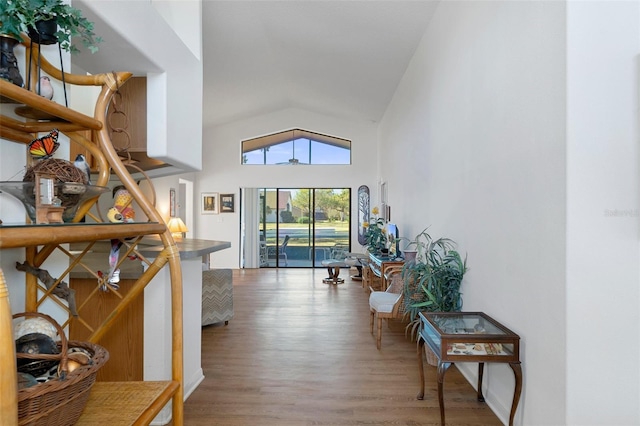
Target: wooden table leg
420,347
480,374
517,372
442,368
334,275
330,272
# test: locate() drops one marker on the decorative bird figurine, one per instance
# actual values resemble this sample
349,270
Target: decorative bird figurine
81,163
122,202
45,89
114,216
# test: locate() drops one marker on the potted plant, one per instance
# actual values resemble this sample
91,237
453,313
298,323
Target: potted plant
432,281
12,20
26,16
375,234
422,244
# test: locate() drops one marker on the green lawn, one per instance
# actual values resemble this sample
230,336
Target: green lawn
339,231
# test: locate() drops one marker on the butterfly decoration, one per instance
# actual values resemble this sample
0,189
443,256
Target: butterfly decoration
45,146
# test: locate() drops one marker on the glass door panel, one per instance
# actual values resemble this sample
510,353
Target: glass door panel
301,227
331,220
294,225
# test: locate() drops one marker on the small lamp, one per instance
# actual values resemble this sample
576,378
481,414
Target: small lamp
177,227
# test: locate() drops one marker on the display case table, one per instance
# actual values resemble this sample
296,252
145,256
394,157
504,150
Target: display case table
379,265
468,337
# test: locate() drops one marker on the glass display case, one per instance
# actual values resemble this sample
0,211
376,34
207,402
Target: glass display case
468,337
458,336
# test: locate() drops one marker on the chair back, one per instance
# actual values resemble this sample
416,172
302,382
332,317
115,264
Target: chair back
284,243
396,285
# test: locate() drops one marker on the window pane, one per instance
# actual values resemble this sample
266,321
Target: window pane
296,147
323,153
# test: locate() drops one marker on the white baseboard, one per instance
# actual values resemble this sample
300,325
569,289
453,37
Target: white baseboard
470,372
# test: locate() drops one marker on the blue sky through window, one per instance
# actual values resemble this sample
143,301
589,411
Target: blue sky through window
302,150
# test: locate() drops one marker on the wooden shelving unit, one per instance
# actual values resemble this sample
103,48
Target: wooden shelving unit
144,399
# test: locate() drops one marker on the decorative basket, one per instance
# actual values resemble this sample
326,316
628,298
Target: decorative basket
59,401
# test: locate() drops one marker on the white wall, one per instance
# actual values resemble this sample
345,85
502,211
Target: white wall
477,131
139,39
184,17
223,173
603,325
13,160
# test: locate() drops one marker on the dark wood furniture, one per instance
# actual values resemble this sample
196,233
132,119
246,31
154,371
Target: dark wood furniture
468,337
379,264
333,268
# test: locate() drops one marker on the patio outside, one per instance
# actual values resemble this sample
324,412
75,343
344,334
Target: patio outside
310,238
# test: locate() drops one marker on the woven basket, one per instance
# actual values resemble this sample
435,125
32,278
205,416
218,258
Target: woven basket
59,401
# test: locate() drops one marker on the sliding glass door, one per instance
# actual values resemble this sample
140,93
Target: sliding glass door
301,227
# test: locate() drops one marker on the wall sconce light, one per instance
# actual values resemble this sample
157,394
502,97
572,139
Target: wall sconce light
177,227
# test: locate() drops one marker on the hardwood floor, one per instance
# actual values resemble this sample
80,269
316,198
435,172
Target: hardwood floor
299,352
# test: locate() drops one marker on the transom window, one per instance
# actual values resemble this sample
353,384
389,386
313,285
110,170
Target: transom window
296,146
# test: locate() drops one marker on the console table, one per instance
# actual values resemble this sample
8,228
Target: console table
468,337
379,264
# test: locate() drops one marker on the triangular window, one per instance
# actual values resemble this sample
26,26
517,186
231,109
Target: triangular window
296,146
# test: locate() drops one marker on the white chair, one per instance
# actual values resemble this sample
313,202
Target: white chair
279,252
388,304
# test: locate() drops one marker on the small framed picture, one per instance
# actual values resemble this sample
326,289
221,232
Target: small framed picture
209,203
227,204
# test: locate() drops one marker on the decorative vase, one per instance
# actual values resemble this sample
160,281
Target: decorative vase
8,64
44,32
409,255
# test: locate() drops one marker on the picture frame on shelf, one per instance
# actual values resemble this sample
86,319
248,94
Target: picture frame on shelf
227,203
209,203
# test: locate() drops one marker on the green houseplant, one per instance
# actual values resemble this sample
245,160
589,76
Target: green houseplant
24,16
375,234
432,280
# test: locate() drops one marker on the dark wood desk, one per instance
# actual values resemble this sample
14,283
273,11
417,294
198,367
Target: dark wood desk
468,337
379,265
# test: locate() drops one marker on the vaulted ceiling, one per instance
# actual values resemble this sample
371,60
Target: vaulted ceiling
339,58
335,57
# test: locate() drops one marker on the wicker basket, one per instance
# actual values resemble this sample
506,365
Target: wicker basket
59,401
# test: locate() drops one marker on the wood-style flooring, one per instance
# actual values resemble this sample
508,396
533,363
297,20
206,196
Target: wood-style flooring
299,352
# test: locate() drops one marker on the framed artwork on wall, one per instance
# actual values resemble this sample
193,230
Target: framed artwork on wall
227,204
172,202
364,213
209,203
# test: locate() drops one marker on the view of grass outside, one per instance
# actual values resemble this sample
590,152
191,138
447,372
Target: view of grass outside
312,237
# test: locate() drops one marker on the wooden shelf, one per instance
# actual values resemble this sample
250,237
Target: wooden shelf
126,403
113,403
13,236
36,106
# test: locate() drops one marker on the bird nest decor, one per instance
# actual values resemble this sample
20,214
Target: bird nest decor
69,187
63,170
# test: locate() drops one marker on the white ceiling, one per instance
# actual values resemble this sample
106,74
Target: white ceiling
340,58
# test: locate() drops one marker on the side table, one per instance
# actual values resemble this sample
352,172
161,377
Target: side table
333,268
357,260
468,337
